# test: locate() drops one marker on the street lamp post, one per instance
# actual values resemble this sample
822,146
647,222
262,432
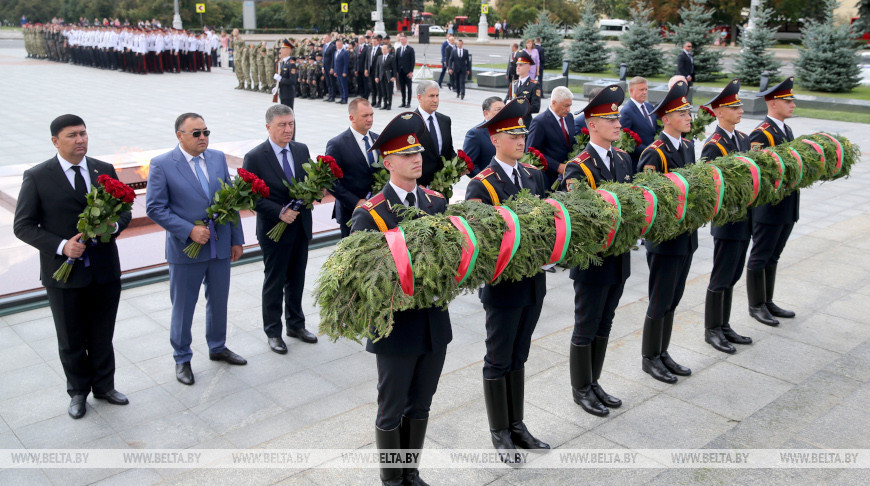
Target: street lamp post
176,18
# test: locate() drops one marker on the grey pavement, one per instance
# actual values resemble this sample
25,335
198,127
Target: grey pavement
803,385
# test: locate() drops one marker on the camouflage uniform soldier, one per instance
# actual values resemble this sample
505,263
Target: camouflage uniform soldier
268,66
249,66
238,46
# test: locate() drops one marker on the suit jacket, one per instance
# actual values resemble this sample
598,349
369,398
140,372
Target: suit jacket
512,67
289,79
446,50
541,62
460,64
406,60
614,269
530,91
479,148
362,58
530,290
686,65
432,162
579,124
328,57
47,213
342,63
415,331
372,62
676,157
545,134
386,69
175,201
718,145
357,178
788,210
632,118
261,161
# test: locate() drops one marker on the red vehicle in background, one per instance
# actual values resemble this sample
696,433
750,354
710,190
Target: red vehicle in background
866,36
407,23
462,25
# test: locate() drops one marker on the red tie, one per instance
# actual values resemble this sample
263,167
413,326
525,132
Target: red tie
564,130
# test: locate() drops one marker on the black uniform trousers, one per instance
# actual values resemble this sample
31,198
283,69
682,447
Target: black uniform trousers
508,338
594,308
768,242
284,280
667,281
728,259
406,385
85,322
405,86
375,87
386,89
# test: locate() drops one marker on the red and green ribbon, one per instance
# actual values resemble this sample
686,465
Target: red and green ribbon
612,199
563,231
652,207
510,240
839,165
719,185
756,176
794,153
818,148
777,183
683,194
469,249
402,258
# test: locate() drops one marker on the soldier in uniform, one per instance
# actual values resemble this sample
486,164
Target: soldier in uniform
251,70
669,262
287,76
771,223
319,81
238,45
241,59
262,72
730,241
525,87
512,308
597,289
410,359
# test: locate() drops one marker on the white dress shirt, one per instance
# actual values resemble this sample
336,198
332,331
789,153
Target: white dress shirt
277,148
426,117
603,155
509,170
362,145
403,194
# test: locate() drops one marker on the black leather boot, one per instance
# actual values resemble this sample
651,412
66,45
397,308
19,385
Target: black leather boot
520,435
769,281
713,322
599,349
413,437
669,362
496,398
580,364
651,349
389,440
729,333
757,297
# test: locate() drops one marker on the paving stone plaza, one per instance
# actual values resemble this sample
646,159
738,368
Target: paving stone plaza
803,385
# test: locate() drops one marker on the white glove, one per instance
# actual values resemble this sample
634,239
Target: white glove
276,77
274,90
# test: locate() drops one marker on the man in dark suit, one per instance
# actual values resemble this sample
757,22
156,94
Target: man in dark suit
350,149
329,66
552,132
276,160
511,73
446,52
438,139
512,308
460,67
525,87
341,66
181,185
541,59
637,116
772,223
405,61
477,145
386,76
372,70
363,58
52,196
598,288
669,261
411,358
287,76
730,241
686,63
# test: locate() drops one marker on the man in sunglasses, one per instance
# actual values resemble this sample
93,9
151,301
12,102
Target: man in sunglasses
181,185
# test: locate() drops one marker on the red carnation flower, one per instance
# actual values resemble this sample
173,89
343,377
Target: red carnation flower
584,131
247,176
260,187
129,196
708,110
336,170
102,179
469,164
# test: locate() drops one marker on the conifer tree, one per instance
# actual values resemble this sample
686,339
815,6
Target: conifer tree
551,38
696,24
588,52
828,58
755,57
638,50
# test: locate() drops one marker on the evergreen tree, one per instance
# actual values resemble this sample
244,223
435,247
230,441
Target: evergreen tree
638,50
588,53
696,26
551,38
828,58
863,23
755,57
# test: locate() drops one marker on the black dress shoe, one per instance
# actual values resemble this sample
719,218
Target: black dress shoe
654,367
778,311
733,337
587,399
716,338
761,314
113,396
302,334
228,356
77,406
184,374
277,345
673,366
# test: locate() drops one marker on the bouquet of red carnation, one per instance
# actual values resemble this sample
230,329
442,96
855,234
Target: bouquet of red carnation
320,175
704,117
582,140
228,201
106,201
453,170
628,140
534,157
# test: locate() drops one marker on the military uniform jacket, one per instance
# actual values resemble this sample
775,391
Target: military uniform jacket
787,211
530,91
718,145
289,78
415,331
588,168
663,158
492,186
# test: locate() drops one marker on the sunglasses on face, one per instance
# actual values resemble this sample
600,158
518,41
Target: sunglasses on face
197,133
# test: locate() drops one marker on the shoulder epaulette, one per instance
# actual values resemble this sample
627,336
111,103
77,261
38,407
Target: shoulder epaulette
433,193
716,138
763,126
657,146
484,174
657,143
742,135
582,157
374,201
619,150
370,207
529,166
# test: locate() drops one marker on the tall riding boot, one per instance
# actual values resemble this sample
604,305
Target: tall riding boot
755,291
769,281
496,398
651,349
581,380
413,437
389,440
713,322
599,349
729,333
669,362
516,392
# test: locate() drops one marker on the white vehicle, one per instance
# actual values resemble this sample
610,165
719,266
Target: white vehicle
612,27
864,62
436,30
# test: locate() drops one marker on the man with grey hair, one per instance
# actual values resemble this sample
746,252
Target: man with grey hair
477,144
552,133
437,140
637,116
278,160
